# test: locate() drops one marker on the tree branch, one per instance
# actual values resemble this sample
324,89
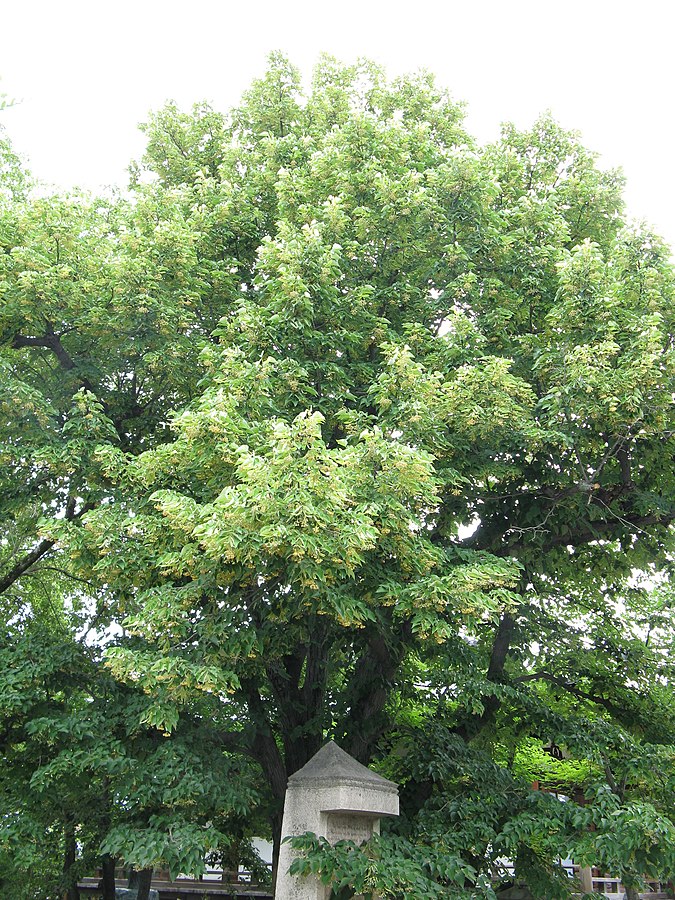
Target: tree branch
495,674
233,741
50,340
501,647
40,549
585,536
24,564
263,746
486,539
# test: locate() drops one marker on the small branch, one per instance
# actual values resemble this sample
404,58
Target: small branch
64,572
634,522
490,541
233,741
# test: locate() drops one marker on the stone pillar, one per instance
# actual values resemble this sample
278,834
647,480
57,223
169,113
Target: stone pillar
334,797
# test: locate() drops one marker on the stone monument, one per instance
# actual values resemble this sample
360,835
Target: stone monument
334,797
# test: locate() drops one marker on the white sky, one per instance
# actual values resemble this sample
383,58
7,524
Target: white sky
87,72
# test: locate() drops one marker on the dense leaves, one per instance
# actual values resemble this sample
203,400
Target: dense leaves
340,425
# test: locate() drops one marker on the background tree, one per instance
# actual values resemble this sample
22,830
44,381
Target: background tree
84,362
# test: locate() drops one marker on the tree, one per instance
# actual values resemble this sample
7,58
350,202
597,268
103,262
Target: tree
82,760
420,397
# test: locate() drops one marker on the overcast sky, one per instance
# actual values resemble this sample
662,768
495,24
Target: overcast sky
87,72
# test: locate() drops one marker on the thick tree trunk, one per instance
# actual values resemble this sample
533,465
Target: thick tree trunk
632,893
298,684
108,879
266,753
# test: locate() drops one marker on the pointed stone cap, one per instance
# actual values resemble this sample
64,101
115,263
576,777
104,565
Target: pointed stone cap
332,764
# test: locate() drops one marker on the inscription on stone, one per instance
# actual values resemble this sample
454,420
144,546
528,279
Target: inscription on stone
343,827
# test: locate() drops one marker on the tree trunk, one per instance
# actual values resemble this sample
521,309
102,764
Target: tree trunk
141,881
108,879
276,847
632,893
69,859
266,753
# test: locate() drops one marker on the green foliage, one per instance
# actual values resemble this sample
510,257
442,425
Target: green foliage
78,748
339,426
389,867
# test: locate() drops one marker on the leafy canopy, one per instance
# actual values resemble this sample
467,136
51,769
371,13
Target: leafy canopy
360,430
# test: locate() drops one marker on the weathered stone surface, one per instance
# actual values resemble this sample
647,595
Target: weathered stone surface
332,763
333,796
